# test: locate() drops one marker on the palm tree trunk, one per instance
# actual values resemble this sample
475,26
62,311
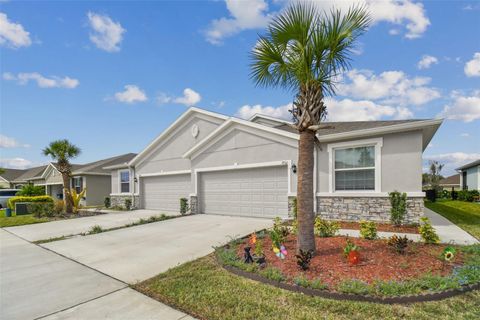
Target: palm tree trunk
305,209
66,193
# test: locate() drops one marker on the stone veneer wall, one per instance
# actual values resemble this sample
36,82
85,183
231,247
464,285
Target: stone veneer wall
119,201
193,203
366,208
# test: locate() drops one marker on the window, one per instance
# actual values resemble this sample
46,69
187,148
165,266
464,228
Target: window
124,181
355,168
77,183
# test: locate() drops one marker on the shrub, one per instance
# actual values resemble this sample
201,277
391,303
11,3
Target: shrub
279,232
349,247
398,211
354,286
368,230
294,208
259,248
41,209
13,200
128,204
95,229
313,284
183,206
107,202
273,274
326,228
468,195
58,207
427,231
303,259
399,244
29,190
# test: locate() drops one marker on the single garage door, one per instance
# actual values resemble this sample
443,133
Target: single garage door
164,192
259,192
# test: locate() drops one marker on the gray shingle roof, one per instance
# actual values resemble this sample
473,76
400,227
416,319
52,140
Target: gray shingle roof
12,174
339,127
97,166
469,165
452,180
31,173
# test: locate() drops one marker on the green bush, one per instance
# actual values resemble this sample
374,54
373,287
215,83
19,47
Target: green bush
107,202
13,200
313,284
273,274
128,204
58,207
427,231
368,230
183,206
398,201
41,209
95,229
325,228
467,195
29,190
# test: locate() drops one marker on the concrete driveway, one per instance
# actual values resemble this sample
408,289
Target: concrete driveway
138,253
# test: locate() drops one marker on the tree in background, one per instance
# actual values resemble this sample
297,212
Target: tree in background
434,175
305,51
61,151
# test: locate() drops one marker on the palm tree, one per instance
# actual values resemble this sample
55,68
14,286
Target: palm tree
305,51
62,151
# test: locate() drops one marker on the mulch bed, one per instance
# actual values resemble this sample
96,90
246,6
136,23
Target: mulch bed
80,214
381,227
377,261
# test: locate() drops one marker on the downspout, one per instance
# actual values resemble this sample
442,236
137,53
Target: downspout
132,170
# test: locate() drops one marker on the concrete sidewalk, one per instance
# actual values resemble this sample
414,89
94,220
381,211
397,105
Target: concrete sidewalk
446,230
54,229
37,283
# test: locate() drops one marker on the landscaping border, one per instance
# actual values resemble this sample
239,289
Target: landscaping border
434,296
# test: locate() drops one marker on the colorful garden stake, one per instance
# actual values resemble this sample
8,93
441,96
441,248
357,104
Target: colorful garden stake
353,257
247,257
449,253
253,239
280,252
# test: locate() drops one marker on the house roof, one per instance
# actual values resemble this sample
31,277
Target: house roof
12,174
469,165
32,173
451,181
98,167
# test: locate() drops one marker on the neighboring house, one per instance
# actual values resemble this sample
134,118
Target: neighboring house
470,176
229,166
91,176
450,183
8,177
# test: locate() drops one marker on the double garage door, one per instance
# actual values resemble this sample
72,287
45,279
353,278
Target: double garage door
259,192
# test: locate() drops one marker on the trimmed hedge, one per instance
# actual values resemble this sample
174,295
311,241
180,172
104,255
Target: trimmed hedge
13,200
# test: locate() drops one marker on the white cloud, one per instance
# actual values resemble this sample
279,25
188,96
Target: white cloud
9,142
390,87
363,110
42,81
247,111
472,67
131,94
244,15
466,109
12,34
190,98
15,163
426,62
465,135
106,34
452,160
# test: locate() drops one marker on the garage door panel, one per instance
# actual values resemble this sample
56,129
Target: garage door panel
259,192
164,192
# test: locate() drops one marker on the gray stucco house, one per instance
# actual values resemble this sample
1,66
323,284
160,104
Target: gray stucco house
229,166
470,176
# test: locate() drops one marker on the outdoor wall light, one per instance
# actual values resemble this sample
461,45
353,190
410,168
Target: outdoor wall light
294,168
135,180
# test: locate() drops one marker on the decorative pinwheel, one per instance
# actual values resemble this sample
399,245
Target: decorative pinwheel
280,252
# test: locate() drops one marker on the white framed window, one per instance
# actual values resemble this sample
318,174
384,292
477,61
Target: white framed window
355,166
77,184
124,181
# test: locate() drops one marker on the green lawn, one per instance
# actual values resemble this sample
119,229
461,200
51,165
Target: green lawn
464,214
205,290
18,220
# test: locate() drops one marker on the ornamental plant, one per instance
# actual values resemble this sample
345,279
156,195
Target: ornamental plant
76,197
449,254
349,247
107,202
368,230
427,232
183,206
399,244
398,211
303,259
128,204
325,228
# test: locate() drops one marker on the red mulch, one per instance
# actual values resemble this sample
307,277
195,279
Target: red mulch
377,261
381,227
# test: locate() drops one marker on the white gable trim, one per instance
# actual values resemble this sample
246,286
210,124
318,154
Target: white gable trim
147,151
259,115
47,171
247,126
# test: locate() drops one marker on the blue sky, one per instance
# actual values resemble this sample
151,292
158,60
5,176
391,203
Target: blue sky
110,76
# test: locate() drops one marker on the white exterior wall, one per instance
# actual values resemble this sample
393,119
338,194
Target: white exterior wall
473,178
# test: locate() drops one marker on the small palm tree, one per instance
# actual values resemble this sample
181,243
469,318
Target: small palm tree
305,51
61,152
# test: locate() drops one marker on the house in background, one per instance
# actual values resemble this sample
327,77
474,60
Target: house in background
451,183
229,166
8,177
91,176
470,175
